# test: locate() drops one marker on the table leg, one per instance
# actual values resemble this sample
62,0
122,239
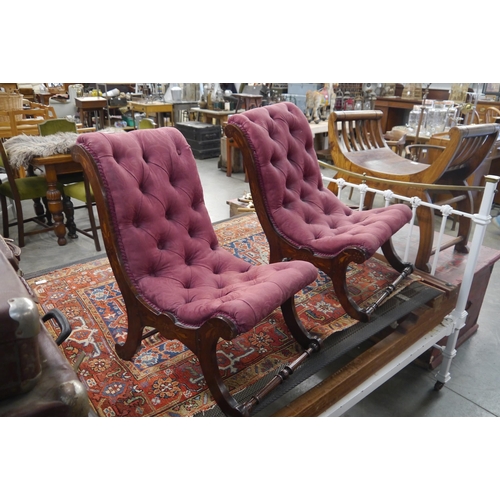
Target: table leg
55,205
101,118
229,160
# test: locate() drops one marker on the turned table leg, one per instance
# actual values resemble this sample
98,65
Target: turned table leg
55,204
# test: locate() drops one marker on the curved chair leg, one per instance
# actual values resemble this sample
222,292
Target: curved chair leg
207,356
134,338
464,225
299,333
338,277
425,216
393,258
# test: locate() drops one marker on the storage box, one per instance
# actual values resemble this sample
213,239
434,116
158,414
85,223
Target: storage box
199,131
202,145
202,154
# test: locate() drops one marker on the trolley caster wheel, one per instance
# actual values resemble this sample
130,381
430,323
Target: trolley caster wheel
438,386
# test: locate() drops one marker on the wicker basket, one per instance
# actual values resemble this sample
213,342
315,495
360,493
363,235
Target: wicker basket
9,101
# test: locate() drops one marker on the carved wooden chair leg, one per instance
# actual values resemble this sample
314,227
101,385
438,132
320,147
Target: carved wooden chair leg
338,276
134,337
5,218
464,226
48,215
207,356
39,209
299,333
20,223
425,218
69,212
392,257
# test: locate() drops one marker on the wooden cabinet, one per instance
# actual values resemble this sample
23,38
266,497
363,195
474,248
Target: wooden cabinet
395,110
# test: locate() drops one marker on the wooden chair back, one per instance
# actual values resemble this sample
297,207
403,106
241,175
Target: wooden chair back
357,146
55,125
491,114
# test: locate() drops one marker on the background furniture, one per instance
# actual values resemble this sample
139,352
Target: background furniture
19,189
56,165
75,186
88,106
162,110
358,147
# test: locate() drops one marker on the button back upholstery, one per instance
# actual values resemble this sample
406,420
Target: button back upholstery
303,219
302,210
167,261
166,239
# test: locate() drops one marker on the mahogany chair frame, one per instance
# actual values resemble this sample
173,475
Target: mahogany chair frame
357,145
201,341
282,249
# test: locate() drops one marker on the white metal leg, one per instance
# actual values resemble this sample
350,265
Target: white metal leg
459,314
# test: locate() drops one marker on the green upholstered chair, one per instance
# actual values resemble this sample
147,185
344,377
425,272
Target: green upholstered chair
49,127
146,123
20,189
75,185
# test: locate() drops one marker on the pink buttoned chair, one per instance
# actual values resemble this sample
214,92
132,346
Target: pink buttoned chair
301,218
164,253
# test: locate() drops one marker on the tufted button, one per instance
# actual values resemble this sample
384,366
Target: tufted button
178,152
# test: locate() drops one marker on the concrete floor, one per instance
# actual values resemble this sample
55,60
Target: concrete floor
473,390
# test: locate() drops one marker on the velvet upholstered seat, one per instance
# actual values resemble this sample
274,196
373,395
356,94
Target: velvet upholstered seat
301,218
162,247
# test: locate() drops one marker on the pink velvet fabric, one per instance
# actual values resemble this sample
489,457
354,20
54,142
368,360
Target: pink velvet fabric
166,238
301,209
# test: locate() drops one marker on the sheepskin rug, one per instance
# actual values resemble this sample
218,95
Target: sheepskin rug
22,148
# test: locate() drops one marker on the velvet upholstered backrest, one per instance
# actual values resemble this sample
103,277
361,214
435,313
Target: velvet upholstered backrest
289,177
155,202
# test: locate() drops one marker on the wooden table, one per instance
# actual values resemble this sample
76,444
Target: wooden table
395,110
248,101
56,165
154,108
88,105
208,115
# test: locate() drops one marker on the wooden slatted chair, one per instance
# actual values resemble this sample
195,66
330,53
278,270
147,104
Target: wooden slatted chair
491,114
164,253
302,219
357,146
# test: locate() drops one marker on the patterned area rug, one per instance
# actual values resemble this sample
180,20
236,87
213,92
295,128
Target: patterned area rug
164,378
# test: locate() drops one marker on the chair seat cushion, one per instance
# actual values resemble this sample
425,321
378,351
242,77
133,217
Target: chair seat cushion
243,293
327,234
76,190
28,187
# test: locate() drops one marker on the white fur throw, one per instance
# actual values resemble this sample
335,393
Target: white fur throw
22,148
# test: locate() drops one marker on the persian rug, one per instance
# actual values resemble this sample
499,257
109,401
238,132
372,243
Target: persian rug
164,378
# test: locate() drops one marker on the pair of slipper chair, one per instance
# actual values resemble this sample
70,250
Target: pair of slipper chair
164,253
